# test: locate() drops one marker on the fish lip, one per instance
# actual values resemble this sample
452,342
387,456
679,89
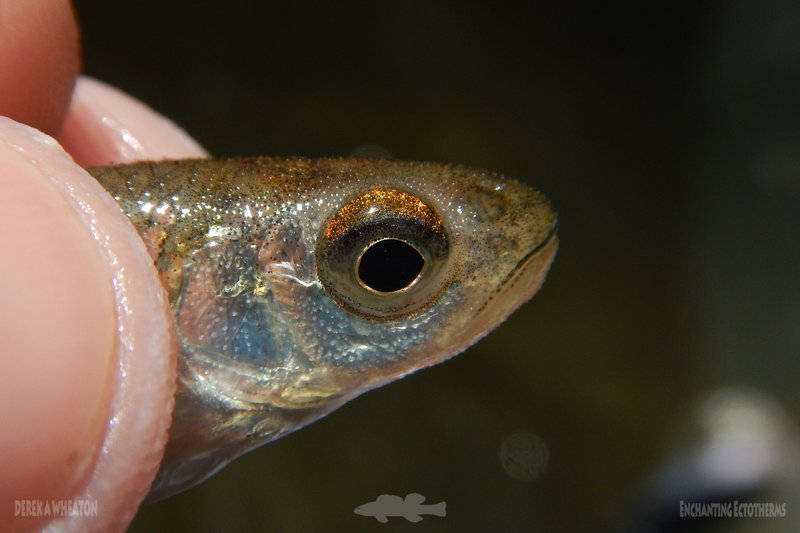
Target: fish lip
494,310
522,263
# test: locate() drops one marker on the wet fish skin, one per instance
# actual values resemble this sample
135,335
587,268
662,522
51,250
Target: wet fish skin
259,257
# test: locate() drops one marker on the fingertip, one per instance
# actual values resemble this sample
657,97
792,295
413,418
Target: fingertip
39,60
73,248
55,372
106,126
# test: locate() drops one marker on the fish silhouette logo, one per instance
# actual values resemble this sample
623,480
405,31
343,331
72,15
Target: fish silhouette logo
411,508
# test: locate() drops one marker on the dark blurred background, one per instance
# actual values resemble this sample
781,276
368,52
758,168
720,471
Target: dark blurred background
667,135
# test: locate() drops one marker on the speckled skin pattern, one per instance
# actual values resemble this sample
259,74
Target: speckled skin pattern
258,259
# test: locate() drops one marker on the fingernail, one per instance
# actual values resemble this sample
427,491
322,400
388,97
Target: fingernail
106,126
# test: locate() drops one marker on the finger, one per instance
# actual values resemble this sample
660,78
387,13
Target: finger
38,61
106,126
87,369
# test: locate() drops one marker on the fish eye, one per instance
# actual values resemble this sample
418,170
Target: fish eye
384,254
389,265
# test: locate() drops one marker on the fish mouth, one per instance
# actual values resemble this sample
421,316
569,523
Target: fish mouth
544,250
519,285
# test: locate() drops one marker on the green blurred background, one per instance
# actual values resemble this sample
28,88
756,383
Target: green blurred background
668,137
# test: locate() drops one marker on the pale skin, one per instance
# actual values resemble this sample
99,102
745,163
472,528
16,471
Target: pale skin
73,275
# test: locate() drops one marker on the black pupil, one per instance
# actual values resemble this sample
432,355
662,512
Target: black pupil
390,265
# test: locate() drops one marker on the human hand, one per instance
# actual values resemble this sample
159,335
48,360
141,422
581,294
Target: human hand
87,362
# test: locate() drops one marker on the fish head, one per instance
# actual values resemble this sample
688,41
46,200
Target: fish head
407,264
363,272
298,284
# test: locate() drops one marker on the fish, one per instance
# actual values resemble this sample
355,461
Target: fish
410,508
298,284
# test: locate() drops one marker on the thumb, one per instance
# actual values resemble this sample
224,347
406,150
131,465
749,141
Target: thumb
87,366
